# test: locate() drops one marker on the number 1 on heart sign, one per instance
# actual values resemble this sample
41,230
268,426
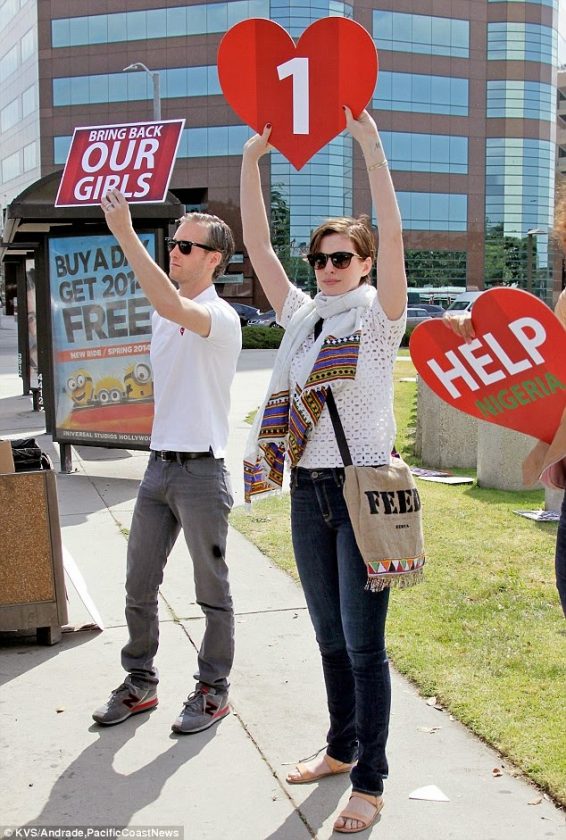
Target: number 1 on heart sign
298,68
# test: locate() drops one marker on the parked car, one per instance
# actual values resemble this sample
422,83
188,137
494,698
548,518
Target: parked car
245,312
264,319
416,315
433,309
464,302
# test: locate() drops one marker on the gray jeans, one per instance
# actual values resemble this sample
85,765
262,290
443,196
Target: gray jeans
197,497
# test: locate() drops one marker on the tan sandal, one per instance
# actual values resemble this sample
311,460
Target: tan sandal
364,814
328,767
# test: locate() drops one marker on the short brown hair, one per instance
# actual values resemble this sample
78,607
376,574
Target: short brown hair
219,237
359,230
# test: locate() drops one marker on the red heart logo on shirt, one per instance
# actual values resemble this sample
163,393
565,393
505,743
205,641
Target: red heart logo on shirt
513,373
300,89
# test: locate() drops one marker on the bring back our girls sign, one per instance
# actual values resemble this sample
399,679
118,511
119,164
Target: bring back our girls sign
135,158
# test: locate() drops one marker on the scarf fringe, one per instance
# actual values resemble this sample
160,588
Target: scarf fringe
399,580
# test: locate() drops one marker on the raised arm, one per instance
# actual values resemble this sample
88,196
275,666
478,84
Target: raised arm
391,279
156,285
255,226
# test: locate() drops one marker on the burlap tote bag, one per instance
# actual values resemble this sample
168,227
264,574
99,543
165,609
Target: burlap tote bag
385,512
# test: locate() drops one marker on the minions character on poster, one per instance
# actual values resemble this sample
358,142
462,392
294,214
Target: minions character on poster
101,327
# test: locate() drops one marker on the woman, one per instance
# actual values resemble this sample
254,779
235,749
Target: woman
354,355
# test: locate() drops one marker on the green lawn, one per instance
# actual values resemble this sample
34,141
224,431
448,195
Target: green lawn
485,632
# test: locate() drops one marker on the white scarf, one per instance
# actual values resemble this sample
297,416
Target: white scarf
342,316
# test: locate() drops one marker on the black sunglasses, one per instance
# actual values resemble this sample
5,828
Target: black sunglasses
339,259
185,246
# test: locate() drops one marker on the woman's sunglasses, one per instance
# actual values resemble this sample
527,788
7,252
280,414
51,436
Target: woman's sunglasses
185,246
339,259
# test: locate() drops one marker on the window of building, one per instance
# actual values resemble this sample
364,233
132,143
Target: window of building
10,115
9,63
519,184
511,41
8,10
199,19
425,268
523,100
421,93
296,17
414,152
433,211
29,100
132,86
27,45
552,3
30,156
403,32
11,167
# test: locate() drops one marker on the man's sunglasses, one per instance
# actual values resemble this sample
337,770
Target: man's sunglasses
185,246
339,259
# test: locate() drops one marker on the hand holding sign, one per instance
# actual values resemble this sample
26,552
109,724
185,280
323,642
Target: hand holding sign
513,373
299,89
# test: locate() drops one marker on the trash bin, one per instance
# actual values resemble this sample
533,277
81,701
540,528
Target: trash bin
32,587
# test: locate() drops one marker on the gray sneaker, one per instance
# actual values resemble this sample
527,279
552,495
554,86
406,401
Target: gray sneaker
202,708
126,700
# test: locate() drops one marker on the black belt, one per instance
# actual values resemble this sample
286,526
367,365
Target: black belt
180,457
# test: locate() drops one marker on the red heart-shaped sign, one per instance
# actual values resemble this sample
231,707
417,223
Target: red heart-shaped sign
512,373
299,89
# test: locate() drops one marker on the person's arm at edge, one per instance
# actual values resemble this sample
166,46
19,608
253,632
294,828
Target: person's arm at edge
156,285
255,226
391,278
560,308
461,324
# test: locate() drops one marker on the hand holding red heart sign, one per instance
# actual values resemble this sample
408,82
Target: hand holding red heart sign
513,373
300,90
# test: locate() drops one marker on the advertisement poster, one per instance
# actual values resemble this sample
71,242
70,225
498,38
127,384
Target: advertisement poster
101,327
136,158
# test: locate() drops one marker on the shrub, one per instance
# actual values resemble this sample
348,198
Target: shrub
261,338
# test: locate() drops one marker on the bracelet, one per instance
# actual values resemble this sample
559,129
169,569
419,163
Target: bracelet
381,163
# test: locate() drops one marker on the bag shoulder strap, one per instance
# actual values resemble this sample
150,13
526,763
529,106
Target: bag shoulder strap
334,416
338,429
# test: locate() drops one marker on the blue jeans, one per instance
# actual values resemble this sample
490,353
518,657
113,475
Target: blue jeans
349,622
561,556
196,497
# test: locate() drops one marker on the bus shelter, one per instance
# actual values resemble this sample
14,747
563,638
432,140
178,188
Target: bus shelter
84,324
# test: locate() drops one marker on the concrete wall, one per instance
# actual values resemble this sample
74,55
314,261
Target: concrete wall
445,437
500,455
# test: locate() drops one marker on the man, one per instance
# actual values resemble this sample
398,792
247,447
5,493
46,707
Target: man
195,345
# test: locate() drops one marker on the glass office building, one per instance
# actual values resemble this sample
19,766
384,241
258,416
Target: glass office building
466,102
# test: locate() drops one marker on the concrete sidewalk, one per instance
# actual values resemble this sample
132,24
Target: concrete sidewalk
60,769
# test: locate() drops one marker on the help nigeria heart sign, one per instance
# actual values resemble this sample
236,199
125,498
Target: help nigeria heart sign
512,373
300,89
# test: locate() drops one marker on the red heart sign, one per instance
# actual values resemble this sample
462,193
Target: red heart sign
299,89
512,373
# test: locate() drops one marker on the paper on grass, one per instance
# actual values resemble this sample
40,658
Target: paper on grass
430,793
422,471
539,515
448,479
73,573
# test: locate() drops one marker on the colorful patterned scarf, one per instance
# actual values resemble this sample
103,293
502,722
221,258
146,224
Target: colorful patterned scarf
284,421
